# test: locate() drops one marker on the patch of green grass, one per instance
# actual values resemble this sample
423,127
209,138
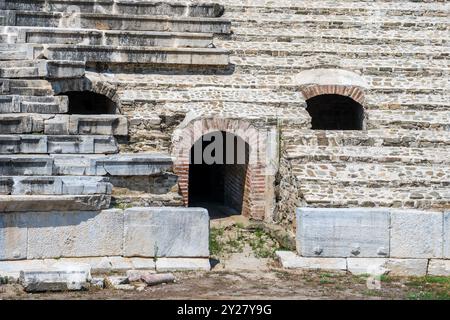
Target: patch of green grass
385,278
429,295
214,241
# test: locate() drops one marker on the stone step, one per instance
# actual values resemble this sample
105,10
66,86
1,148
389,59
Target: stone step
32,104
141,55
371,174
367,8
363,36
43,144
349,23
30,87
347,51
49,203
85,165
51,185
120,7
63,124
120,22
385,155
405,138
112,38
328,194
436,120
387,99
256,65
16,69
286,82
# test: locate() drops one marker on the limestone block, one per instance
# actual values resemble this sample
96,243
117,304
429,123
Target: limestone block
8,104
75,234
407,267
143,263
13,236
439,267
85,185
37,185
33,144
447,235
26,165
58,125
372,266
11,269
166,232
70,145
97,264
55,279
291,260
133,165
120,263
74,165
98,125
6,185
416,234
17,123
343,232
41,203
182,264
9,144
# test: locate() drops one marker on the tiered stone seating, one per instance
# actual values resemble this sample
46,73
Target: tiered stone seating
53,160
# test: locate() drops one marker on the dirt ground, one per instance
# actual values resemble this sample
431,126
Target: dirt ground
245,268
267,285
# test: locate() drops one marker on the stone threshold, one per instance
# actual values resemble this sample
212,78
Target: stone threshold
11,269
367,266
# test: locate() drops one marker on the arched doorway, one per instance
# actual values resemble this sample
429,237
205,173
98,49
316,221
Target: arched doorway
335,112
218,172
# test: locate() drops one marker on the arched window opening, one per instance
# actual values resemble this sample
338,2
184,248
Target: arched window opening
87,102
335,112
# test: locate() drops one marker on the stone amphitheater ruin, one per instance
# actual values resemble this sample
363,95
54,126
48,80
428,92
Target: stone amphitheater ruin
343,108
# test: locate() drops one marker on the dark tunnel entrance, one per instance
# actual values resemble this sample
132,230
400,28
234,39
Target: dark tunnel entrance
217,173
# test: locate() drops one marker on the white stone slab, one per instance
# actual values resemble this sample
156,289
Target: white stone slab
446,235
439,267
291,260
333,232
182,264
369,266
59,277
407,267
75,234
166,232
416,234
13,237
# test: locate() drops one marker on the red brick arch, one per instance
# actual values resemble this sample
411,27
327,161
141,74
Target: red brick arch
256,183
356,93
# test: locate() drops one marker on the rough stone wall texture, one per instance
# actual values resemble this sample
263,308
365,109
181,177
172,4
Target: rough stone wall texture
390,56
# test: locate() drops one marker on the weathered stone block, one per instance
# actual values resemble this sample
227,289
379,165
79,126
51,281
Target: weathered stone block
42,203
446,235
439,267
166,232
133,165
55,279
74,234
291,260
407,267
372,266
342,232
416,234
182,264
13,236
